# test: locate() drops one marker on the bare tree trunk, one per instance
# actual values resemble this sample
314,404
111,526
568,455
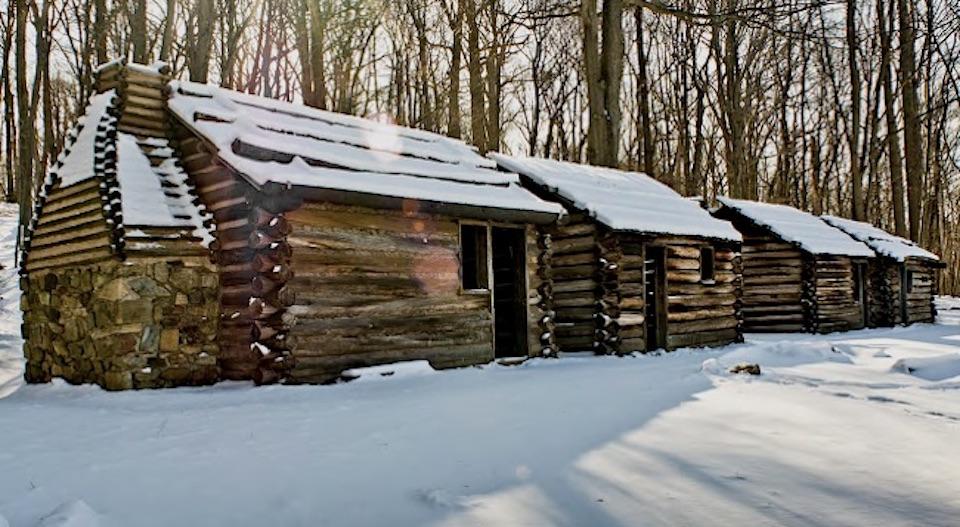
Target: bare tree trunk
913,144
493,67
318,67
198,57
735,148
643,88
100,30
856,175
816,166
426,120
138,30
25,141
478,126
456,58
603,68
893,138
169,24
591,66
302,41
10,125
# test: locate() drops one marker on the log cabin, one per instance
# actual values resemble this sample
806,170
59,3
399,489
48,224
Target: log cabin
635,266
799,273
345,242
118,288
902,278
191,233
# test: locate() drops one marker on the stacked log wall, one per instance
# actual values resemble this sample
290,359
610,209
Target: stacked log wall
376,286
610,278
883,293
541,334
631,315
834,306
773,297
575,284
702,312
227,197
142,94
919,300
698,312
79,223
71,228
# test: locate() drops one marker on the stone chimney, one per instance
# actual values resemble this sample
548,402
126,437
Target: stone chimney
142,93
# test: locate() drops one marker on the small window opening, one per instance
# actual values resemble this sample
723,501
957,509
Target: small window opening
909,281
473,256
707,265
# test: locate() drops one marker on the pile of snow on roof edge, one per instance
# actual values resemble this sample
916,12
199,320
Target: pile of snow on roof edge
621,200
314,148
808,231
881,241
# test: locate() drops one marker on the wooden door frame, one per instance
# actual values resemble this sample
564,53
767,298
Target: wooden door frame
522,296
660,291
904,304
861,273
525,229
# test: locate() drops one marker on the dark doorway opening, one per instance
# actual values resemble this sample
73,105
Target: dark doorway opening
906,286
655,298
509,292
860,291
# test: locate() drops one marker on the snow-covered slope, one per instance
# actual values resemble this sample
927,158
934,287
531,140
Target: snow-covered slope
11,345
836,431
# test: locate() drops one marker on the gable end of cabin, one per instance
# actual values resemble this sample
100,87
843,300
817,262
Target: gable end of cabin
111,296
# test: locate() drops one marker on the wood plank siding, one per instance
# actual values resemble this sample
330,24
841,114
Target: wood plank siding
375,286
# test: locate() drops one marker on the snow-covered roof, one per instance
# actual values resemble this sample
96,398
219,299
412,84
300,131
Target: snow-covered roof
151,194
155,196
623,201
806,230
881,241
270,141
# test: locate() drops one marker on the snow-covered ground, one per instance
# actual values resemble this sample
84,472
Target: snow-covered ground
861,428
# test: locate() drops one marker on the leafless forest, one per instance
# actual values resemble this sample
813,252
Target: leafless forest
841,106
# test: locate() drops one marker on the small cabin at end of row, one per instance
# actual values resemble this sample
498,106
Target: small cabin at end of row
901,278
635,266
799,274
822,274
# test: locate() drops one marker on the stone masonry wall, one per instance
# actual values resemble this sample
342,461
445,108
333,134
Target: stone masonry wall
123,325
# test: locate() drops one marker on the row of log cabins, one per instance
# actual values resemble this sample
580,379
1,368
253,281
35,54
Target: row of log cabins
635,267
900,281
823,274
190,233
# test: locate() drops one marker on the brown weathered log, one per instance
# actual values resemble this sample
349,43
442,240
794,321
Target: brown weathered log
703,325
700,314
716,338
